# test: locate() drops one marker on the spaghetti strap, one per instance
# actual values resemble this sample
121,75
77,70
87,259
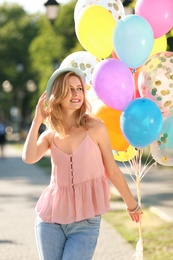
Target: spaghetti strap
52,137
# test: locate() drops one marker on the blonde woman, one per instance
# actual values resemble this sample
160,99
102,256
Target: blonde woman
69,210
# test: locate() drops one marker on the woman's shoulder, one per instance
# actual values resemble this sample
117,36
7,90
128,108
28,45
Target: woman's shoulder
95,125
94,122
48,135
97,130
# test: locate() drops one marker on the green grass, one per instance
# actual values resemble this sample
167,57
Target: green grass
17,146
156,233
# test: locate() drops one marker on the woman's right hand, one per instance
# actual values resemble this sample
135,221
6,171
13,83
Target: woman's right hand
40,113
35,148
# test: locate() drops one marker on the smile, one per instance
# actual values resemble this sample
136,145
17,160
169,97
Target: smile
75,100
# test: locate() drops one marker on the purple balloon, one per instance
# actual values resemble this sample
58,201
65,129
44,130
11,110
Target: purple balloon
113,83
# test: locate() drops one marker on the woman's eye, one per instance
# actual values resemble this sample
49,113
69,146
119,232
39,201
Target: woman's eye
77,89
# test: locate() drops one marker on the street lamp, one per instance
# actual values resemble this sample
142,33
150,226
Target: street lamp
52,9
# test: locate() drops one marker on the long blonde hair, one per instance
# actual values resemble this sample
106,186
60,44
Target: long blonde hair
60,90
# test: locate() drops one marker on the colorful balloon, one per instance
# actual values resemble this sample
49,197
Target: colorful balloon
125,156
84,61
158,13
111,119
155,80
160,45
141,122
113,83
135,73
133,40
162,147
116,8
94,30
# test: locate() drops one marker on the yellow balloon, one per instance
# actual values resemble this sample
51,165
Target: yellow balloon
94,30
160,45
124,156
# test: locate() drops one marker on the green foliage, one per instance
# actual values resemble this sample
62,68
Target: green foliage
42,52
45,163
53,43
15,38
66,28
17,29
33,41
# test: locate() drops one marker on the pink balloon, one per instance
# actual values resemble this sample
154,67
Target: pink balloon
113,83
159,13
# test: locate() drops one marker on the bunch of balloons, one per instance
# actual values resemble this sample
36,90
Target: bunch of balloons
129,72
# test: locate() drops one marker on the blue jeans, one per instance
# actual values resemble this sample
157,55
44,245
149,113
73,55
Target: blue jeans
76,241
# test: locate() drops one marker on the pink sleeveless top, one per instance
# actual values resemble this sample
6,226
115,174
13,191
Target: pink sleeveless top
78,187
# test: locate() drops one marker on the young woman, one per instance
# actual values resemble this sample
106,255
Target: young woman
69,210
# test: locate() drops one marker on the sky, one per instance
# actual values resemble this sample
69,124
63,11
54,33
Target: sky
32,6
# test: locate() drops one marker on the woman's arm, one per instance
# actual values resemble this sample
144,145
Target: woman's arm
34,147
114,173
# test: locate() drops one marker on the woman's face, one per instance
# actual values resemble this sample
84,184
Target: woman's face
75,97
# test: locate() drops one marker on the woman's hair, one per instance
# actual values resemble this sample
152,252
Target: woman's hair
60,90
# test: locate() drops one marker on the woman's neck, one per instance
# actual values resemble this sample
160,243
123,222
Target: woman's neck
70,123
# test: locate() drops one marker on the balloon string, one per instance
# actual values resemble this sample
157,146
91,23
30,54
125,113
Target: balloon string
136,164
139,199
138,185
127,168
133,163
148,156
147,166
128,171
140,160
153,164
140,171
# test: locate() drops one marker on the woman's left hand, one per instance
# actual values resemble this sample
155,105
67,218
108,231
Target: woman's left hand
136,214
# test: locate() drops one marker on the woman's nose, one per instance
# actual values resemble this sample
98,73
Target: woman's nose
74,92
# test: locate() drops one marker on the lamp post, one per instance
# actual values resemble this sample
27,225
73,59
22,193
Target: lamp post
52,9
5,99
128,6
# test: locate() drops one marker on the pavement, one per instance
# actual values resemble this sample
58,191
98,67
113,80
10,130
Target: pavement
21,186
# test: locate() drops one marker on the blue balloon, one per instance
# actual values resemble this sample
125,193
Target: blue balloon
141,122
133,40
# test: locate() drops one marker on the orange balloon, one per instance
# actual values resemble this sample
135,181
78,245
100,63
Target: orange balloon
111,118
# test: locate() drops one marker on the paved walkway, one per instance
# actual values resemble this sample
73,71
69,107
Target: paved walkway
20,187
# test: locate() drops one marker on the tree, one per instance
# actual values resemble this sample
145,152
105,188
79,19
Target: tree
14,57
30,47
54,43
